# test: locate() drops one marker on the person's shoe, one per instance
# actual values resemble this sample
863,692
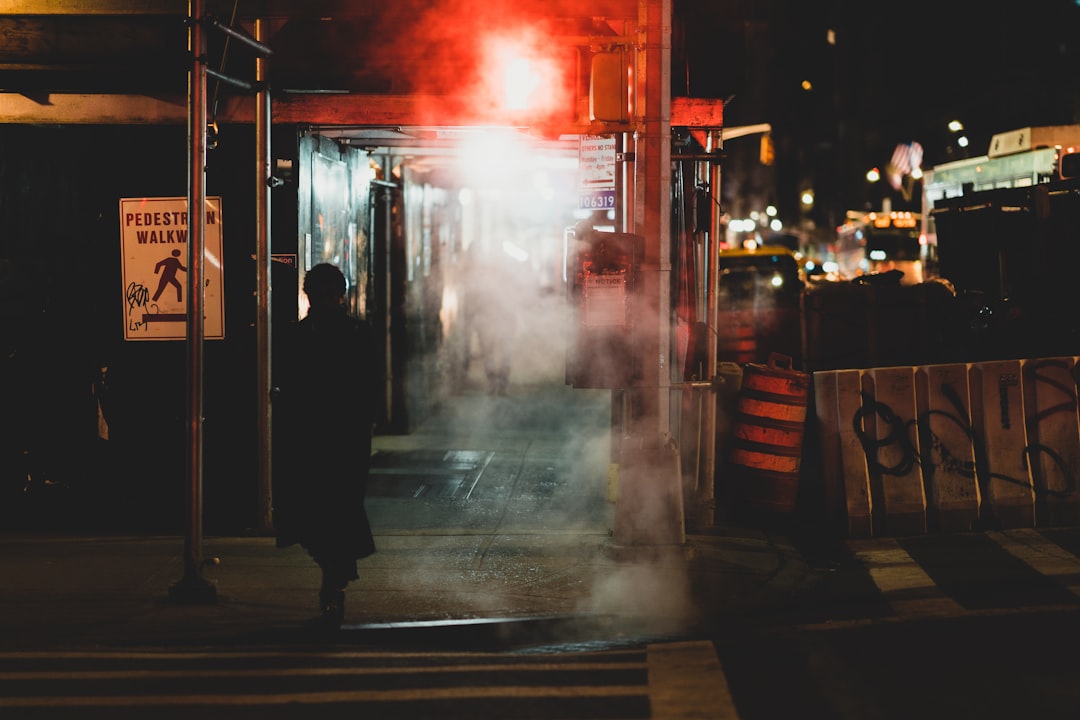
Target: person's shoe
332,607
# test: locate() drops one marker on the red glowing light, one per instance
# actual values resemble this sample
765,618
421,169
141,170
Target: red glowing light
525,76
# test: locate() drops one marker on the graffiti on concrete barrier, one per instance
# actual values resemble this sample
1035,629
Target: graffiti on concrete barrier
1067,405
949,461
899,434
895,432
1006,381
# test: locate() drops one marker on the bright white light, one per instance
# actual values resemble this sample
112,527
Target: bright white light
877,255
520,82
514,251
830,267
770,211
777,280
962,141
776,225
491,159
956,125
873,175
807,197
916,173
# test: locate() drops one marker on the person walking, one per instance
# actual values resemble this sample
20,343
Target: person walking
323,423
492,288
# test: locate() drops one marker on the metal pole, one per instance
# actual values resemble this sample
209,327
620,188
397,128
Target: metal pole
649,463
263,265
707,489
652,218
623,210
193,588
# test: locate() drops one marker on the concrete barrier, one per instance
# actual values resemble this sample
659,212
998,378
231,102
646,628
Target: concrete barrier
1053,439
998,419
945,448
837,399
948,449
890,434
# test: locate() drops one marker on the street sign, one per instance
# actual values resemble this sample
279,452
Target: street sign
596,171
597,200
153,238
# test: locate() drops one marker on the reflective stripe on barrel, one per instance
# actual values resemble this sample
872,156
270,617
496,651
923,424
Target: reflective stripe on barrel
767,435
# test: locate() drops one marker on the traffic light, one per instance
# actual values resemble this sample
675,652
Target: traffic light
768,152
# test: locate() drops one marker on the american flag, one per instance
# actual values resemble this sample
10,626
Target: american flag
905,158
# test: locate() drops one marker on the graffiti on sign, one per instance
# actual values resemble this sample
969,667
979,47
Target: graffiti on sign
154,244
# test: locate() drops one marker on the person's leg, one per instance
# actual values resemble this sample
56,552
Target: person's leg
336,574
501,352
332,599
489,354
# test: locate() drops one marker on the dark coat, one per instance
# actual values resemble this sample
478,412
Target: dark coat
322,419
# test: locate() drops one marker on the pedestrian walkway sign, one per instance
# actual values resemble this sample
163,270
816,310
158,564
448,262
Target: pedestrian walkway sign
153,238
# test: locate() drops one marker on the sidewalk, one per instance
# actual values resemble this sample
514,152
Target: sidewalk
92,591
524,557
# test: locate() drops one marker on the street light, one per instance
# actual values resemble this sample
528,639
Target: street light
955,127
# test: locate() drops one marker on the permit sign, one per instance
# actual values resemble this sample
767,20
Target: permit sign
596,169
154,250
605,300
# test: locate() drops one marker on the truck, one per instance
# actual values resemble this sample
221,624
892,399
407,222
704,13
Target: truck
1004,229
1017,158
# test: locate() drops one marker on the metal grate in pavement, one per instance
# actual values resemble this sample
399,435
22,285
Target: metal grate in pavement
439,474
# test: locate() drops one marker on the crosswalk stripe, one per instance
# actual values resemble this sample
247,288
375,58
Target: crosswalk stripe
120,653
909,591
314,698
311,672
1042,554
684,679
687,680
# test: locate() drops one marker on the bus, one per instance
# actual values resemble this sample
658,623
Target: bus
879,241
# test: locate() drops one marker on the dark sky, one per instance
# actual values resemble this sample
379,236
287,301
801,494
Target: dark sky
995,66
898,72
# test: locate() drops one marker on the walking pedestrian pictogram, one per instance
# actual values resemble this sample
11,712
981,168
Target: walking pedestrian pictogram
169,267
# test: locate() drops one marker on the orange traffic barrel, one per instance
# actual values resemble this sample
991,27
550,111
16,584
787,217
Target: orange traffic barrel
767,435
737,342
